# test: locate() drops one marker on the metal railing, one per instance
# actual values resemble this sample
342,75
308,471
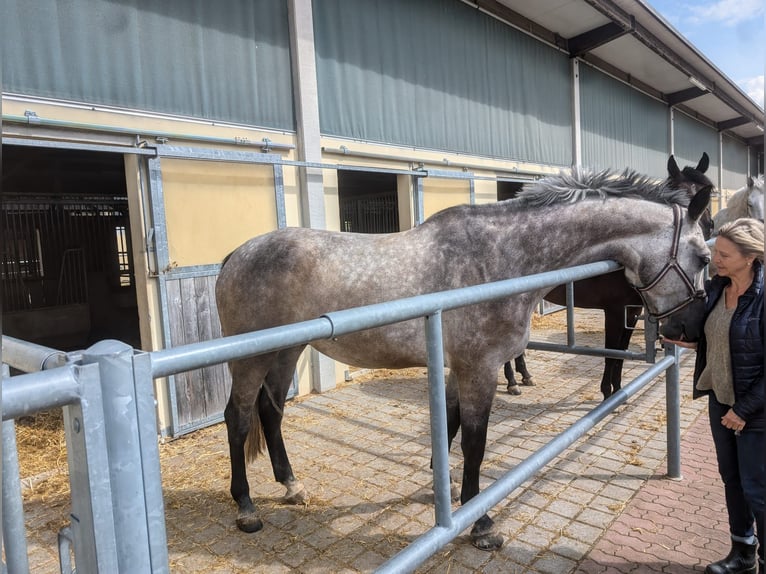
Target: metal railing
107,395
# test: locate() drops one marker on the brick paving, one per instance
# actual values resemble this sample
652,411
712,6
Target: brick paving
363,449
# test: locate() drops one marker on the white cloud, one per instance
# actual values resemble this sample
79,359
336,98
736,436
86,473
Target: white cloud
728,12
753,87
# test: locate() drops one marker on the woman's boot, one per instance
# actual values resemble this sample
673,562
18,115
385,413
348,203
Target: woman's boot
741,560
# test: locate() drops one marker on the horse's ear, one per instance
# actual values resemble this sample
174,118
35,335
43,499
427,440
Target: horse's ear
699,202
704,163
750,182
673,170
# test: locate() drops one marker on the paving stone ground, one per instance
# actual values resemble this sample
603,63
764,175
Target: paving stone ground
363,450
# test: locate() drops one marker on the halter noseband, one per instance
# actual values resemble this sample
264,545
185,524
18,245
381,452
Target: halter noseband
672,264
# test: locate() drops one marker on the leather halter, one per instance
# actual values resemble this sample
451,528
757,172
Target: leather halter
672,265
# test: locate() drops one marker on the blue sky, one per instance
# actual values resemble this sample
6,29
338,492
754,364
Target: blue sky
729,33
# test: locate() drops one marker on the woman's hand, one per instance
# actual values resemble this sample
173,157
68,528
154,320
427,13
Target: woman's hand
732,421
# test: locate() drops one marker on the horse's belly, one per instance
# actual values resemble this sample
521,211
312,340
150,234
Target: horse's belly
394,347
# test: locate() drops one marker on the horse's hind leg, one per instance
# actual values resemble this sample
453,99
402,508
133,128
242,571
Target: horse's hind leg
271,403
453,424
247,377
521,367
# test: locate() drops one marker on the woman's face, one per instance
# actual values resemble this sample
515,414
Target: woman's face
728,259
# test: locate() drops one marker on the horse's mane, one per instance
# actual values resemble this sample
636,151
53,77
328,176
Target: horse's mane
583,183
737,203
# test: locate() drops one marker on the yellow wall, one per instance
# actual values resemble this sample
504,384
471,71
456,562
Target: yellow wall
439,193
213,207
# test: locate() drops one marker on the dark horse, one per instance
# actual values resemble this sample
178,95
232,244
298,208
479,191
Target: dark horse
612,293
296,274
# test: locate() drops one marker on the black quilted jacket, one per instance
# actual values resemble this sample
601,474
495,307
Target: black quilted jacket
746,343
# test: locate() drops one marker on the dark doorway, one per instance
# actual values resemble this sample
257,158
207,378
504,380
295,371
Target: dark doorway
368,202
508,189
66,266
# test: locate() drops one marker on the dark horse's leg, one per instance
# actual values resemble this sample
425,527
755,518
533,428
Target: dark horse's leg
616,336
521,368
477,385
271,403
513,386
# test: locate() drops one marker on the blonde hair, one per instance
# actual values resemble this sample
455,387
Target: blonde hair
747,234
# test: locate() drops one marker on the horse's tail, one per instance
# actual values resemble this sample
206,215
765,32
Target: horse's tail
225,259
255,443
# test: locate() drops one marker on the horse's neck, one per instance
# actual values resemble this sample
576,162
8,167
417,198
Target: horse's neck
591,231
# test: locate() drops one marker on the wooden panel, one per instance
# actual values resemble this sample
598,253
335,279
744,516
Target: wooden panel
200,394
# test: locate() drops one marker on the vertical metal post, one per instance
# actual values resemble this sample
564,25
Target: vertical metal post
417,199
651,335
14,533
124,441
92,521
570,314
437,400
673,405
147,428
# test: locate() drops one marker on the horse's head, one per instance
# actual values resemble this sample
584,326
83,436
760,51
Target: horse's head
691,180
755,198
670,278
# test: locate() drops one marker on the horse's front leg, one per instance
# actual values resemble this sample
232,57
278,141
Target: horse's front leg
475,405
616,336
513,386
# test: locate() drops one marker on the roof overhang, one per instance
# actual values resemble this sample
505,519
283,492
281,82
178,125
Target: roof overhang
630,41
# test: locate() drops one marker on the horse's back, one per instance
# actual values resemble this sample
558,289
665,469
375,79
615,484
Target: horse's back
295,274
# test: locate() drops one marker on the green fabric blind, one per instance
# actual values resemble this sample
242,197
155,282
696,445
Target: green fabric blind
734,173
621,127
439,74
692,138
227,60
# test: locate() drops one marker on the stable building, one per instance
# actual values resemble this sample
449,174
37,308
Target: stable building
143,141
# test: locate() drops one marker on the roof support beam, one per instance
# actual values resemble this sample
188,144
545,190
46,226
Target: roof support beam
587,41
684,95
733,123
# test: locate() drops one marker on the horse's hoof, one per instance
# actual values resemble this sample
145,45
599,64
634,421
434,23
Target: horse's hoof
488,541
528,382
296,494
249,522
514,390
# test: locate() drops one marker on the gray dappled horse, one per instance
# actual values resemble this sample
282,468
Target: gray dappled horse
745,202
296,274
621,303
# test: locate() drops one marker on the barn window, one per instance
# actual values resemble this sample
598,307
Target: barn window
123,263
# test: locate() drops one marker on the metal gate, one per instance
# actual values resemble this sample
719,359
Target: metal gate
51,246
373,213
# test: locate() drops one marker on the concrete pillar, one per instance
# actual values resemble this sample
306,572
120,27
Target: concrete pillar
306,102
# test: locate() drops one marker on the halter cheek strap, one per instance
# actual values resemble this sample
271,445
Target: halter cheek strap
672,265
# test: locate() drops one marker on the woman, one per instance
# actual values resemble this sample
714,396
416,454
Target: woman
729,369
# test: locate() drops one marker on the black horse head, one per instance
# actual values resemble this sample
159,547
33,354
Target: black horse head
692,180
